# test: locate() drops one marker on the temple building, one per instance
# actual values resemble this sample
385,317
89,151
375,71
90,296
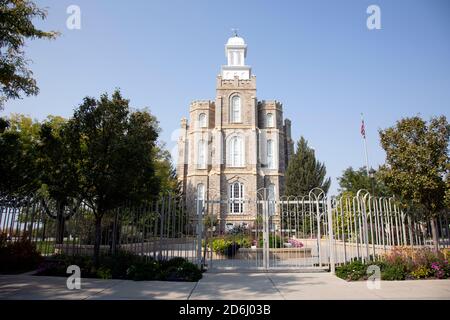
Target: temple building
234,149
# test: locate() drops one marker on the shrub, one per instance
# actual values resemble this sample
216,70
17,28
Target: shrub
421,272
440,269
143,271
424,257
353,271
393,272
219,245
174,262
189,272
229,246
17,257
401,263
446,253
104,273
119,263
274,241
57,266
123,266
401,256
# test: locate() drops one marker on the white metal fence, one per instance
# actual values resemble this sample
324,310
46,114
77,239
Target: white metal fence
160,229
313,232
307,232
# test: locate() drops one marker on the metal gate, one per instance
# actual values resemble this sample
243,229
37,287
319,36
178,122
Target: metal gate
291,233
311,232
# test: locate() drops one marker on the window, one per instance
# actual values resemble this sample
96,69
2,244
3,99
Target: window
270,154
202,120
202,154
236,197
269,120
235,109
200,195
236,152
271,198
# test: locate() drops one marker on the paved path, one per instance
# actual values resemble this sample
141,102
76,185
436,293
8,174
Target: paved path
236,286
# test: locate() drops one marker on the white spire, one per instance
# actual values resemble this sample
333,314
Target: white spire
236,52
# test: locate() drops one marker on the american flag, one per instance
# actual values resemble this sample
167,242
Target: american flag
363,130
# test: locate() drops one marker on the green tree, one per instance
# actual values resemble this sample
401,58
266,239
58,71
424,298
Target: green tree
58,173
417,163
353,180
305,172
447,191
34,161
16,26
19,136
115,149
166,173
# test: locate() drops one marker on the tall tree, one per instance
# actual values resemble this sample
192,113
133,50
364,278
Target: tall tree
116,149
417,163
353,180
16,26
305,172
58,173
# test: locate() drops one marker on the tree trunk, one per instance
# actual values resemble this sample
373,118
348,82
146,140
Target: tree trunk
434,233
98,239
60,225
115,234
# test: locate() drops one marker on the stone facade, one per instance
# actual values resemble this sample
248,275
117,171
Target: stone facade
235,146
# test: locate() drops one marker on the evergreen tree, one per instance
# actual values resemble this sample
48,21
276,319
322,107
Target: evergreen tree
305,172
166,172
354,180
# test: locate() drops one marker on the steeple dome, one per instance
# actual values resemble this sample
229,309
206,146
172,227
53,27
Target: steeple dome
235,40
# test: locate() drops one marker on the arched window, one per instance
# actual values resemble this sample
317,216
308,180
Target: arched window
269,120
236,197
202,120
201,154
270,154
235,152
200,196
235,110
271,198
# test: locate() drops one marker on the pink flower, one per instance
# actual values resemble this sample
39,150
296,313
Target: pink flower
295,243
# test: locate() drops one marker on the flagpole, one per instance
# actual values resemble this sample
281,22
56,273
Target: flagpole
365,145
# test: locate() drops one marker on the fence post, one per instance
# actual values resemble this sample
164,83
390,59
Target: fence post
331,236
365,229
265,234
199,232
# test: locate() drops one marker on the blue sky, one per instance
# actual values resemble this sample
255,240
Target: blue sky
317,57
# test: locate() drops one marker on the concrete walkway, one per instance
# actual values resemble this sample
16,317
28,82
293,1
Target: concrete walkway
233,286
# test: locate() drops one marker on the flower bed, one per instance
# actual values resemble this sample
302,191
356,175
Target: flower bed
401,264
124,265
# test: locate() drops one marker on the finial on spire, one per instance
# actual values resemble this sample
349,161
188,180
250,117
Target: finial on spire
235,32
